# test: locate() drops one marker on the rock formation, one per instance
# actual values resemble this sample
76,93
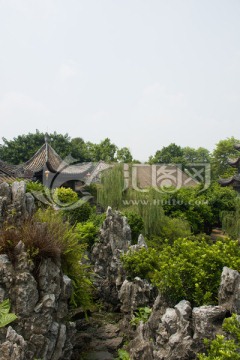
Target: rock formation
38,296
170,333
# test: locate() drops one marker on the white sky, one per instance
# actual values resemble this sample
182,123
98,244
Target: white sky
144,73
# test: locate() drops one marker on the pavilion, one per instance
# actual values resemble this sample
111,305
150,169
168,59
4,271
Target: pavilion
47,167
234,180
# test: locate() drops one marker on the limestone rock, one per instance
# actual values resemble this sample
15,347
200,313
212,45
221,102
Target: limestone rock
114,240
229,291
135,294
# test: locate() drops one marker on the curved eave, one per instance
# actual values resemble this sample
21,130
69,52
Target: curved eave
234,162
226,182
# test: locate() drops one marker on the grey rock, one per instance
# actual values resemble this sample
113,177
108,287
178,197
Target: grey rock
114,240
134,294
229,291
141,241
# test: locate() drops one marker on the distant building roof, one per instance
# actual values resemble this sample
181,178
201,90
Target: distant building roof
45,155
46,158
6,172
235,179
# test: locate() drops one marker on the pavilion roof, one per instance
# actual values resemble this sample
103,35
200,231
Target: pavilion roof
45,155
230,181
7,172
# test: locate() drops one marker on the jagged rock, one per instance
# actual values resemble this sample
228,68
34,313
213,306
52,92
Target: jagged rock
37,301
15,204
140,244
114,240
207,321
141,347
229,291
174,338
135,294
14,346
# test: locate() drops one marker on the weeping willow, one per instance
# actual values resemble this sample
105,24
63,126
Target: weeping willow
149,206
231,221
110,192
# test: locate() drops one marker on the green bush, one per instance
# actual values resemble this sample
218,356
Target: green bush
64,196
47,235
188,269
79,214
97,219
191,269
202,209
136,224
87,233
72,255
35,186
222,348
142,314
140,263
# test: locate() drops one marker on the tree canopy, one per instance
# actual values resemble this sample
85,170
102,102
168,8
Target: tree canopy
23,147
175,154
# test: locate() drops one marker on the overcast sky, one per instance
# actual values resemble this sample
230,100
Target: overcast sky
144,73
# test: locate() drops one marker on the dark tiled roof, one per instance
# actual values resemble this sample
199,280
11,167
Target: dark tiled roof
234,162
45,155
237,146
7,169
230,181
6,172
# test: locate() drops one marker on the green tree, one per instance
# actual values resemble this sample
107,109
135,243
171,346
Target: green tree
23,147
222,152
124,155
80,150
171,154
105,151
200,155
174,154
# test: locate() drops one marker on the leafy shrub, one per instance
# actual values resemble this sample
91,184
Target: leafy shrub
79,214
87,233
6,317
47,235
189,269
222,348
35,186
201,209
97,219
140,263
136,224
123,355
142,314
72,256
63,196
174,228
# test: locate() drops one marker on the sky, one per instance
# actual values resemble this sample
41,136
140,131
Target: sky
144,73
